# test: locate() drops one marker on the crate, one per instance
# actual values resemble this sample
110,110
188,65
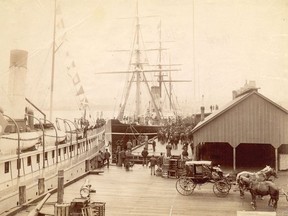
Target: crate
98,208
177,157
172,174
77,205
165,168
181,172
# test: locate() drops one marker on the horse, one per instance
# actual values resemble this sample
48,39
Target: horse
262,175
262,188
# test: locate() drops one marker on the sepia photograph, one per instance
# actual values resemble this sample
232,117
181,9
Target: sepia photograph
144,107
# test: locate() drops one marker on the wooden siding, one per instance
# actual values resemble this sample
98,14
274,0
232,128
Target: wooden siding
253,120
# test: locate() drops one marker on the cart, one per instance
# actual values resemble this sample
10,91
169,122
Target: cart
199,173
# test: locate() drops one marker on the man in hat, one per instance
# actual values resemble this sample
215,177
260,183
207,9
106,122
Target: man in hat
144,154
153,162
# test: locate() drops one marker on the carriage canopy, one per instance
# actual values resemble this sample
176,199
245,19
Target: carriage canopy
202,162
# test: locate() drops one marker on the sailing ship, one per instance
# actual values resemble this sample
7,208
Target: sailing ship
144,124
33,149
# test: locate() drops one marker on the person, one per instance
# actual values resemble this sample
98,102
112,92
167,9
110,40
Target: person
168,149
154,145
129,145
185,146
185,153
192,147
153,162
128,156
100,159
161,160
107,157
118,150
122,157
85,131
144,154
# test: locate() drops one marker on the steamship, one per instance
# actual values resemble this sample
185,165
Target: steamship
33,148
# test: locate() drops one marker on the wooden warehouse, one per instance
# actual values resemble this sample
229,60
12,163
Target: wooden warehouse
250,131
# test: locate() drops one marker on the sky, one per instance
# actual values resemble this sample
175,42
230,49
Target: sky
218,44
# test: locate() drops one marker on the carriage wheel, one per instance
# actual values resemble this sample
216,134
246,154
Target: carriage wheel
228,183
221,188
185,186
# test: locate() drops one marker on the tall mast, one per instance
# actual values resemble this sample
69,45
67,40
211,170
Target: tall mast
160,61
53,64
170,86
138,73
138,69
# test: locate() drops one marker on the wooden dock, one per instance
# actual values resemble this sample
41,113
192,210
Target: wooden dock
138,193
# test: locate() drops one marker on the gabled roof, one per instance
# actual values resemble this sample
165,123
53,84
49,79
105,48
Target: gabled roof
232,104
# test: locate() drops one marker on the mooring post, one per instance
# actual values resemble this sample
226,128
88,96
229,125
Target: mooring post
41,186
22,194
60,186
87,165
60,208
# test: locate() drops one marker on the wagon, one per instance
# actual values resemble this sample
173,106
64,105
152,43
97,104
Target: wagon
199,173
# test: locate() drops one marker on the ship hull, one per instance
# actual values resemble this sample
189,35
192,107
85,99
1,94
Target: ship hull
75,157
118,134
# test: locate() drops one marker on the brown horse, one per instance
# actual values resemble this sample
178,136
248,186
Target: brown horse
262,175
263,188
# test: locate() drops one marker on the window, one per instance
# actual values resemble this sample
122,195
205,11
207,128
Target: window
53,154
29,161
38,158
46,155
59,152
65,150
6,167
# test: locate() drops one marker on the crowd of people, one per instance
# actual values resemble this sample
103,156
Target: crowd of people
175,135
103,158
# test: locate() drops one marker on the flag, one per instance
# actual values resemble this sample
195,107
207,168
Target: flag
80,91
84,101
76,79
3,124
72,65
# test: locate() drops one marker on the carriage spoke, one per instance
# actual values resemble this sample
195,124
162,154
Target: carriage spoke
221,188
185,186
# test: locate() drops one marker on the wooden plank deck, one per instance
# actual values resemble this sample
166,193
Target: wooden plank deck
137,193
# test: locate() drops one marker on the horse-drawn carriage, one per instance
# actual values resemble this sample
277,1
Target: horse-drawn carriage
199,173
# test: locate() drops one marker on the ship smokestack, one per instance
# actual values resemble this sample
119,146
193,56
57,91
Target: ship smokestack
202,113
17,79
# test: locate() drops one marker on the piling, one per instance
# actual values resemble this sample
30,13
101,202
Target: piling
60,193
87,165
41,186
62,209
22,194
